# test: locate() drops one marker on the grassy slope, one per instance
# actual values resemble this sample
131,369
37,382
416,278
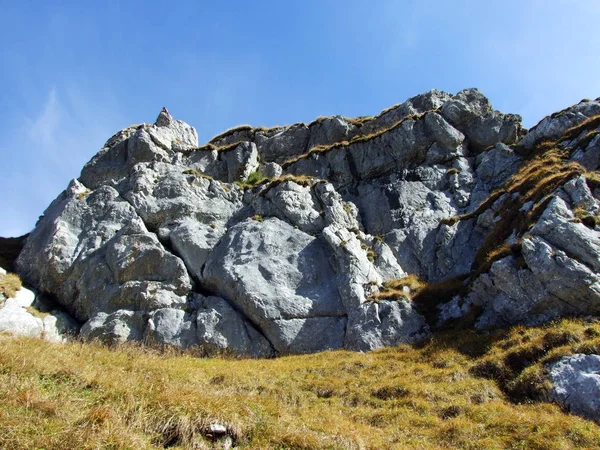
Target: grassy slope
435,396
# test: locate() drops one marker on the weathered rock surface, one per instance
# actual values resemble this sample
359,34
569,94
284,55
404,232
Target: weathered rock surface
166,242
281,279
26,315
378,324
554,126
576,384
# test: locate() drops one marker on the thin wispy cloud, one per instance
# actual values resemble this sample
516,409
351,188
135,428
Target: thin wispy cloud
56,140
42,129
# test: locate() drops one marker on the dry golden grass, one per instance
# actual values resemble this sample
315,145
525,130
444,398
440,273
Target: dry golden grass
425,296
585,217
9,284
434,396
302,180
404,288
196,173
230,131
359,121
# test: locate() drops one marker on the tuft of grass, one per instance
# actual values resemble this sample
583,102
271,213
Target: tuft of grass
253,180
518,361
10,284
37,313
359,121
444,393
400,289
196,173
258,218
83,194
371,254
302,180
585,217
229,132
425,296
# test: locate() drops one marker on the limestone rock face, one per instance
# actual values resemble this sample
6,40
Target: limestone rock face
558,276
265,242
281,279
553,126
471,111
576,384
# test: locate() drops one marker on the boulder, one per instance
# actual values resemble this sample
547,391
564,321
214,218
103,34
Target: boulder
155,241
472,113
576,384
29,315
17,320
328,130
283,145
222,328
381,324
241,161
280,278
115,328
270,170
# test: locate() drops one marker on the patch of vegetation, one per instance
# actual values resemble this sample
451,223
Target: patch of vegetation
258,218
371,254
10,284
211,147
444,393
518,361
593,179
302,180
534,182
253,180
37,313
229,132
425,296
83,194
359,121
585,217
453,171
404,288
196,173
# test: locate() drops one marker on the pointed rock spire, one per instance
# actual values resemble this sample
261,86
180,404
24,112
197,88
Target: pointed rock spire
164,119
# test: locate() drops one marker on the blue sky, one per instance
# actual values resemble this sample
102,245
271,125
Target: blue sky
74,72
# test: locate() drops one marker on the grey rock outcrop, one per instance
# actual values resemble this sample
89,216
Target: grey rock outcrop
558,276
165,242
576,384
553,126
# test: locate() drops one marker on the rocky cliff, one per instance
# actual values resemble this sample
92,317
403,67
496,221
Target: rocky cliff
343,233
